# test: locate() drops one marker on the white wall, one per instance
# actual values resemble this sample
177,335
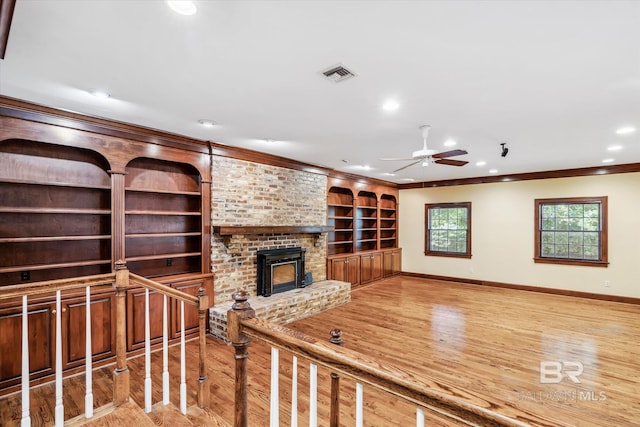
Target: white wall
503,233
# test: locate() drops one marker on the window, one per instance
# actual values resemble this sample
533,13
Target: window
571,231
448,229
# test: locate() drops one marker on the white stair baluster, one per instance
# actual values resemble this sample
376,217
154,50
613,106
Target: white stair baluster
25,421
59,411
313,395
274,399
165,354
88,397
147,354
419,418
294,393
183,369
359,405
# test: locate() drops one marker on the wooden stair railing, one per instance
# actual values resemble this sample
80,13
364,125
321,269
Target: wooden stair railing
243,327
121,280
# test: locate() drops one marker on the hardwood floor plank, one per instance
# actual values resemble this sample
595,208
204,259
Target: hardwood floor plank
486,342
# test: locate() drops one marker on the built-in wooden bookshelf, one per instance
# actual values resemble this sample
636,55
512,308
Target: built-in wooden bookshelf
340,208
55,212
388,222
163,218
366,222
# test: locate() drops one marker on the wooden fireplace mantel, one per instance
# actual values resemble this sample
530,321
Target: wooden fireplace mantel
224,230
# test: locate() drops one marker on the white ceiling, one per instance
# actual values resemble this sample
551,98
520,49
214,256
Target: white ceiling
552,79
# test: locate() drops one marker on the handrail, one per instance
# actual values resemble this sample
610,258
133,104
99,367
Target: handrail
243,326
169,291
49,286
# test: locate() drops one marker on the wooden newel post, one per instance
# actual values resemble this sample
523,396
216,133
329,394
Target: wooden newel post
121,373
240,310
203,378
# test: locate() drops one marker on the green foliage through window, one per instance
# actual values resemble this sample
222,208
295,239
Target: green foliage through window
448,229
571,229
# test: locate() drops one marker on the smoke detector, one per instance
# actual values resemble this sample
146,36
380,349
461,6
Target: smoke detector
338,73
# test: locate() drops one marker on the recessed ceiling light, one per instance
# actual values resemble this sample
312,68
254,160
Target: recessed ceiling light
493,170
625,130
481,163
608,161
183,7
390,105
389,174
614,148
99,94
408,179
206,123
449,143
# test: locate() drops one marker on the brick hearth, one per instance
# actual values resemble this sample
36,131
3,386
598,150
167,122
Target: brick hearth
288,306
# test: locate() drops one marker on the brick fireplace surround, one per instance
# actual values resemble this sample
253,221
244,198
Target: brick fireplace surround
252,194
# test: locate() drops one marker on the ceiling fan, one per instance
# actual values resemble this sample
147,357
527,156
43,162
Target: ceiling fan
425,154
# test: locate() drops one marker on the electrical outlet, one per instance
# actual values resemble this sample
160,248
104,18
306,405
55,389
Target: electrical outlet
25,275
169,262
607,283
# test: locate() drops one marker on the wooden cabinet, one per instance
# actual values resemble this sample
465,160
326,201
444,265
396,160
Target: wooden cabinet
42,321
136,310
344,268
366,228
392,262
370,267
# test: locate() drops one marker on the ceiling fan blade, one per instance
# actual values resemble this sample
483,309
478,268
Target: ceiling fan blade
451,162
387,159
409,165
451,153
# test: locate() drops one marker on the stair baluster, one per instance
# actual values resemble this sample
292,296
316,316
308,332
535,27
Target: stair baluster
313,395
147,355
165,354
294,393
274,413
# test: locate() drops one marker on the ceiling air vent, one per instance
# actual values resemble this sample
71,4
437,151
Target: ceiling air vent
338,73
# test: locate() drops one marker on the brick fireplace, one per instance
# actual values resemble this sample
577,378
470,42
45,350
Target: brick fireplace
265,207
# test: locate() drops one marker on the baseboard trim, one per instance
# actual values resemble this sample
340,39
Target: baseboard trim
554,291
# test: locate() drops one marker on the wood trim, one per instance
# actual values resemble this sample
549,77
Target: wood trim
12,107
604,234
554,291
282,229
6,15
562,173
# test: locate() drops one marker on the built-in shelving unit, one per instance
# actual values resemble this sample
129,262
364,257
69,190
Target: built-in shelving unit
163,218
364,245
55,214
388,222
340,207
366,222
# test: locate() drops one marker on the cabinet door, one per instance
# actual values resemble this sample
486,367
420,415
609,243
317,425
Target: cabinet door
370,267
190,311
103,329
136,318
338,269
353,270
41,343
392,262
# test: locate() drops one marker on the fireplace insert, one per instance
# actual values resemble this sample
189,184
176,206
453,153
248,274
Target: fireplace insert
280,270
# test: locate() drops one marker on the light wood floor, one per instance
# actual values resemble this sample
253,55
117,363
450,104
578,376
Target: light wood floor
488,342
